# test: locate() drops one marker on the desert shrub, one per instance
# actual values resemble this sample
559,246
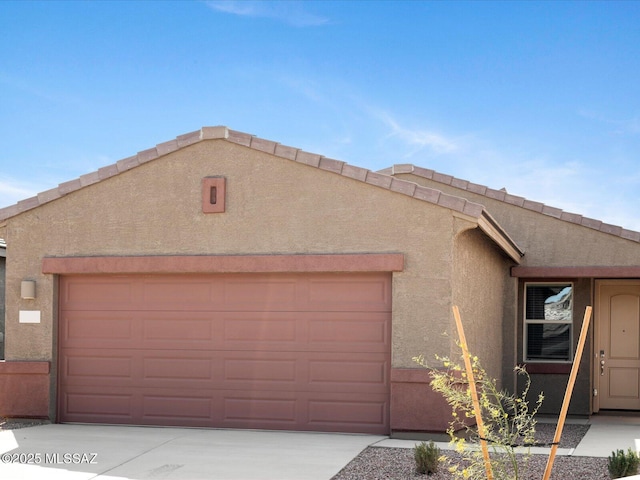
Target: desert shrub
427,457
508,421
623,464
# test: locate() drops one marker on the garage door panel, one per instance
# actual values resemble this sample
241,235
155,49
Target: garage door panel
82,366
99,329
349,332
176,368
172,328
175,407
348,414
247,409
265,293
249,330
289,351
361,293
199,293
259,370
341,374
103,293
84,405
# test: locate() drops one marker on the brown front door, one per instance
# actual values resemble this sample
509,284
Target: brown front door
617,352
270,351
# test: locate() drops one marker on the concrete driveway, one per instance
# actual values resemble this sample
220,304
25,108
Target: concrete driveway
79,452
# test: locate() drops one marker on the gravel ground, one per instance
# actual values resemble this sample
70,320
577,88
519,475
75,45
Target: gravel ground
15,423
380,463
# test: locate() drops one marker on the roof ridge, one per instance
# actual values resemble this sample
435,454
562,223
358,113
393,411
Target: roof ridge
504,196
378,179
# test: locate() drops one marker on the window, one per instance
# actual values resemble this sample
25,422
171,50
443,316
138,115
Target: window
548,322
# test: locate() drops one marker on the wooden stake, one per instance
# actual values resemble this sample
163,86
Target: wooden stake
568,393
474,393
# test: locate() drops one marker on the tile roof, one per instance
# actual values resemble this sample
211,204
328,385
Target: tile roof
379,179
503,196
207,133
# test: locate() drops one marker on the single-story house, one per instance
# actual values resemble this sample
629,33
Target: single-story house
224,280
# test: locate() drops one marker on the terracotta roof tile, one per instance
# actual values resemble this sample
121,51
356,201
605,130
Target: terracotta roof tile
475,188
427,194
49,195
612,229
630,235
147,155
401,168
127,163
408,188
273,148
452,202
167,147
571,217
28,203
307,158
331,165
70,186
357,173
473,209
514,200
266,146
89,179
552,211
423,172
188,139
239,138
286,152
378,179
108,171
535,206
213,133
503,196
440,177
462,184
495,194
8,212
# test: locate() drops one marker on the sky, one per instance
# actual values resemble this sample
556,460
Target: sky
540,98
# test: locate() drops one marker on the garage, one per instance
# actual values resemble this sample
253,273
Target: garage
299,351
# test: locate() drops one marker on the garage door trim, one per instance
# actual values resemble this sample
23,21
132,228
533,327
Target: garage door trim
363,262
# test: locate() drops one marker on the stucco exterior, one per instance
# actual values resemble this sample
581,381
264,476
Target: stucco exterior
277,203
585,249
481,277
274,208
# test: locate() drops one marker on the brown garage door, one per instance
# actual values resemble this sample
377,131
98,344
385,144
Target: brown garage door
272,351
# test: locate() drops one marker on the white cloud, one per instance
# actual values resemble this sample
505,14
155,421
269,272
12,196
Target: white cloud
417,139
290,12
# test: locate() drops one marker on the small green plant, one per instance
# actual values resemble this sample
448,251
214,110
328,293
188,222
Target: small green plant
427,457
623,464
508,421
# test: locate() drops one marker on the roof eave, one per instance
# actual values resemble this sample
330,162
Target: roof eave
489,226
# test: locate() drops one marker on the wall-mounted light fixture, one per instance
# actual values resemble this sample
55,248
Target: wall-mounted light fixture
28,289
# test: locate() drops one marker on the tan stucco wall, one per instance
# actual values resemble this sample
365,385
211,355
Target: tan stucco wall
550,242
273,206
546,240
480,279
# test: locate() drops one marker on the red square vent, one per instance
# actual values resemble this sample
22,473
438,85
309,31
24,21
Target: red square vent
213,194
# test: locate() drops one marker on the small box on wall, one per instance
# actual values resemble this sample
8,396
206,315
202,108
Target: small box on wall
29,316
213,194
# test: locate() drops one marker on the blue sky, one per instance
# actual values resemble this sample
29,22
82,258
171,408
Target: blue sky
541,98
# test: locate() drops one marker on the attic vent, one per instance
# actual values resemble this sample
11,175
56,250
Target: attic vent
213,194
